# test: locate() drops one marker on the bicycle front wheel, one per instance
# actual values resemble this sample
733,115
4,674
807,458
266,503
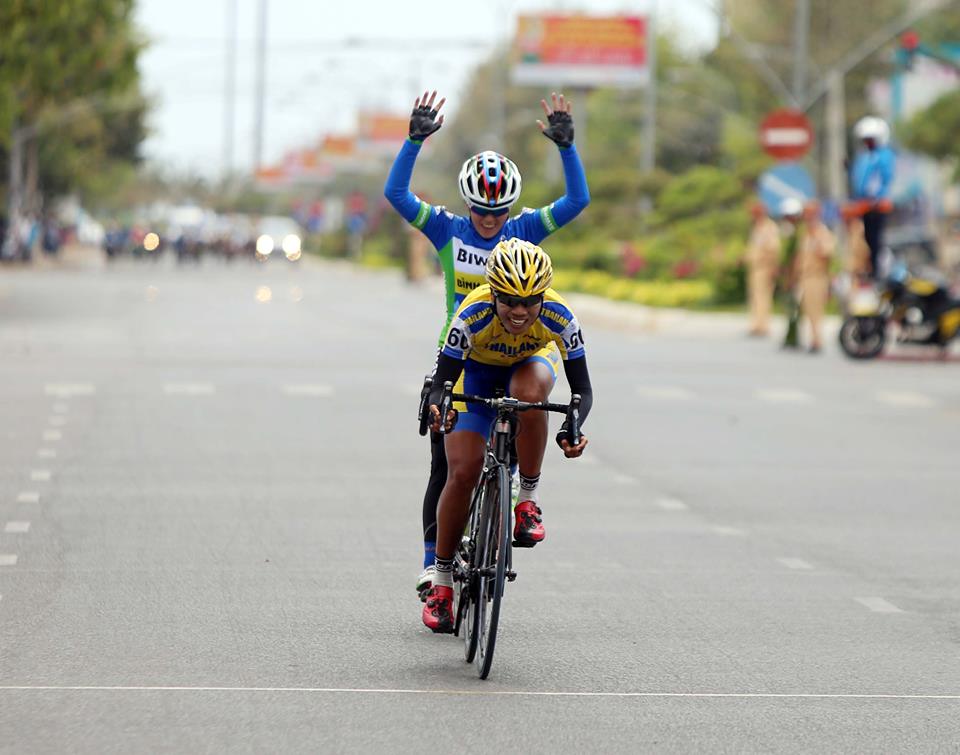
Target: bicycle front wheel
467,615
493,553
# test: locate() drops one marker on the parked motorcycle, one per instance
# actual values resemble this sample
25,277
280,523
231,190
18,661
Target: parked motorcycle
918,307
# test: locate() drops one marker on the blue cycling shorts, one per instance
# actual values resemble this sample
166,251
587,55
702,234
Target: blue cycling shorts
484,379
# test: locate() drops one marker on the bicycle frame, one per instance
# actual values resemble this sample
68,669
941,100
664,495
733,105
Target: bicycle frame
484,560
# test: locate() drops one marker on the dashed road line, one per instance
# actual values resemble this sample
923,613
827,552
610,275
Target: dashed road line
664,392
671,504
66,390
8,559
40,475
796,563
317,390
729,531
905,399
52,435
878,605
783,396
16,528
57,421
188,389
28,496
46,453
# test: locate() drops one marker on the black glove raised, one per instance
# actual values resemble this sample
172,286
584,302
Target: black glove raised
560,130
423,122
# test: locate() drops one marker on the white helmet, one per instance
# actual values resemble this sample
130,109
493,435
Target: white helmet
489,180
871,127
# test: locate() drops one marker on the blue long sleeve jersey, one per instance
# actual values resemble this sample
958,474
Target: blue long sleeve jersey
872,173
463,252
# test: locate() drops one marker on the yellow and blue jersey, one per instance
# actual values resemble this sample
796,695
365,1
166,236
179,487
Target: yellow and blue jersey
476,331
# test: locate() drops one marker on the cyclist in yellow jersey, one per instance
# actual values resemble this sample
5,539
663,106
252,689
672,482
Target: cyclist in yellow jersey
497,339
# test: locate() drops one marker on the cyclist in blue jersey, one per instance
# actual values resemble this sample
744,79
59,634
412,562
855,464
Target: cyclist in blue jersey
489,186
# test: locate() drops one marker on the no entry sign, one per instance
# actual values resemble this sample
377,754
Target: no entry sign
786,134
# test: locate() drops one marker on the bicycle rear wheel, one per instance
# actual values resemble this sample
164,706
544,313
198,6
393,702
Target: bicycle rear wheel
493,553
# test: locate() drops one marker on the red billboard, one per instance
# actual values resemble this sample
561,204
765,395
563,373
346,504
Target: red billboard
580,50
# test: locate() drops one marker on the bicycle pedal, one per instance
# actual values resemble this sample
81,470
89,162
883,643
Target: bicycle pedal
511,575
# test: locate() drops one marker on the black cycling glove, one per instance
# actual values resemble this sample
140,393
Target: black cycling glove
560,129
423,123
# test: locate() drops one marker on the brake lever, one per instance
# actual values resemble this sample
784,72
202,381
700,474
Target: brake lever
424,414
446,403
573,420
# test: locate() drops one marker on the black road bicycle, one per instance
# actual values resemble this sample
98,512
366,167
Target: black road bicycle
484,560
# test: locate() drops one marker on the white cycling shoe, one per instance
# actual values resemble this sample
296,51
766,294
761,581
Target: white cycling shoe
425,581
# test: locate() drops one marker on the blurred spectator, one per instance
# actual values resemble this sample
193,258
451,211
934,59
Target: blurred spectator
870,178
858,252
791,211
815,249
52,236
762,257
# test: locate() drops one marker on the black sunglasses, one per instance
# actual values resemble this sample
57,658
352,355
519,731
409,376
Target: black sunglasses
519,301
483,211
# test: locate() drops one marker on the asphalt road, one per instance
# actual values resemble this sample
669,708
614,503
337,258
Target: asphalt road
210,486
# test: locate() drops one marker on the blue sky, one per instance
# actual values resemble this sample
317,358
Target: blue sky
315,85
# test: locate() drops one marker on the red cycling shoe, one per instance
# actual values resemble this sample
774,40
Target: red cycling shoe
438,610
528,531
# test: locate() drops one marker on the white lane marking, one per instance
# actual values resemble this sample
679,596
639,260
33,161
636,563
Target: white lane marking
47,453
905,399
783,396
624,479
40,475
52,435
57,421
66,390
796,563
491,693
878,605
28,496
729,531
671,504
8,559
309,389
664,392
188,389
60,408
16,528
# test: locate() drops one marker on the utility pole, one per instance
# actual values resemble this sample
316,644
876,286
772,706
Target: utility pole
648,159
801,33
835,128
229,92
260,91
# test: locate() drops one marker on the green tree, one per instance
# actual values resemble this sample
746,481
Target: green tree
68,78
935,131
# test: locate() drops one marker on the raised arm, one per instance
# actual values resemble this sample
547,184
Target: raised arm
423,123
559,129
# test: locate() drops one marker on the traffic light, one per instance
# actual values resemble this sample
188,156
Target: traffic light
907,52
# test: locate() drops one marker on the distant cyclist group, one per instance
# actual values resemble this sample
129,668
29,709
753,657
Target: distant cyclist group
506,333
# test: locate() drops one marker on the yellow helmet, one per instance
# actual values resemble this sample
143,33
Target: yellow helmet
519,268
